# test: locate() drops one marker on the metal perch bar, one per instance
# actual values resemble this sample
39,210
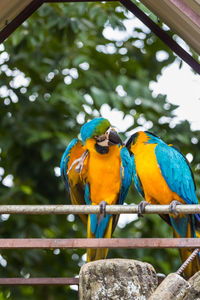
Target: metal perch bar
94,209
126,243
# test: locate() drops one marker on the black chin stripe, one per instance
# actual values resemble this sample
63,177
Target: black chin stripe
101,149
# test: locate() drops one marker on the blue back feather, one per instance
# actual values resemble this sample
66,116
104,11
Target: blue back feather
126,173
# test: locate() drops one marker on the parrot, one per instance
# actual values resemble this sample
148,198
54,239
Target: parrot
97,170
162,175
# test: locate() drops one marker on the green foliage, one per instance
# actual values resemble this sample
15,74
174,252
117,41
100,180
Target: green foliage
70,70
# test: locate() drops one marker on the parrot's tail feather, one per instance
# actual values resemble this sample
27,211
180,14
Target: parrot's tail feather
101,253
198,217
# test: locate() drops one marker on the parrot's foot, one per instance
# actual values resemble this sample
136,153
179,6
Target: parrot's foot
79,162
103,208
172,207
141,207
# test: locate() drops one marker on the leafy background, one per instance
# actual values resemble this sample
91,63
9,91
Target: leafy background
57,70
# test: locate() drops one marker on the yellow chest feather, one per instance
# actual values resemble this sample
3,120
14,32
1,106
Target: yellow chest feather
103,174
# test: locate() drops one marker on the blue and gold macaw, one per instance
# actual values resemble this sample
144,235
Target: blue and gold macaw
162,176
97,171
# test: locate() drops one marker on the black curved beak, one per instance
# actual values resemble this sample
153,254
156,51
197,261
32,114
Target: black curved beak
113,138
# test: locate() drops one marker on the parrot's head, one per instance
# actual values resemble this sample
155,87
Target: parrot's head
100,130
141,137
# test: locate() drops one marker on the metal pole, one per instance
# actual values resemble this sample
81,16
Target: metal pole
94,209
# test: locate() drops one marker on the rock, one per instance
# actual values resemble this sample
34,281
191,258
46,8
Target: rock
194,292
172,287
116,279
160,277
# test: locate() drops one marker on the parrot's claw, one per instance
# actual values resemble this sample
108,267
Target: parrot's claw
103,208
79,162
79,167
172,207
141,207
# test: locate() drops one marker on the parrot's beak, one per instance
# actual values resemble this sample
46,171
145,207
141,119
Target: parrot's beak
113,138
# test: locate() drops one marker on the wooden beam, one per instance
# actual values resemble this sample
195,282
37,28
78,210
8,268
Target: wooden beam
182,12
10,9
19,19
180,17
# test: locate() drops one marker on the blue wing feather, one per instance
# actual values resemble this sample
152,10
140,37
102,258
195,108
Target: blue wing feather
64,162
87,194
136,178
98,227
176,172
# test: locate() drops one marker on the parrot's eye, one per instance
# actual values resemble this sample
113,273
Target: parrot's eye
110,129
107,133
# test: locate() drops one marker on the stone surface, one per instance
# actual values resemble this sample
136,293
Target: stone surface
194,292
116,279
173,287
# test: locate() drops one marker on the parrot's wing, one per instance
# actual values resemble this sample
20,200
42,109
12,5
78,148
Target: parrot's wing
126,177
126,173
136,178
178,175
176,172
75,186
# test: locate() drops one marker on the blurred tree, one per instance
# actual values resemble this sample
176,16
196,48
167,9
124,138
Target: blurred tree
66,64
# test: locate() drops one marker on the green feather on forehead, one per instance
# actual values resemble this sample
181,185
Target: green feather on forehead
94,128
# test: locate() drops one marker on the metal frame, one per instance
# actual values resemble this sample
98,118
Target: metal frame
64,209
120,243
35,4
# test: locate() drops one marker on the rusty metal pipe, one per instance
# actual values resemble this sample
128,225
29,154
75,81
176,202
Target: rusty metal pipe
39,281
129,243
